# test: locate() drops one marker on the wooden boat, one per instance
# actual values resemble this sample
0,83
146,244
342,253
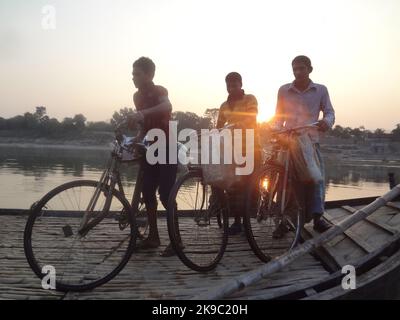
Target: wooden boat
372,246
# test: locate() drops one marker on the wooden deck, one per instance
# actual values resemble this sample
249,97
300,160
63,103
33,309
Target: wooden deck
149,276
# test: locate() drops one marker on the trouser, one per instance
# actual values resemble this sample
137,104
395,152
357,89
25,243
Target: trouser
161,176
315,192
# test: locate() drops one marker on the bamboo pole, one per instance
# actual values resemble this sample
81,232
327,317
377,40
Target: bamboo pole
256,275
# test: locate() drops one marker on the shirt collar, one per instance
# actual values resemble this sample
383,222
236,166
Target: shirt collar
310,86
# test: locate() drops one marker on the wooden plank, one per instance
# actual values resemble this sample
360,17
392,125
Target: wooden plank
323,254
333,253
350,202
146,276
394,205
353,236
375,221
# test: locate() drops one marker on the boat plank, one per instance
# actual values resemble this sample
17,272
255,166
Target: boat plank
376,219
334,253
359,240
149,276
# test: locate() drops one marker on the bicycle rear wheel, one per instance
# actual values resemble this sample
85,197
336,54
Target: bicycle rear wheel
81,261
264,219
197,225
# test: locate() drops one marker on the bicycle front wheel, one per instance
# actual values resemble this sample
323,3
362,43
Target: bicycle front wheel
81,261
197,222
274,218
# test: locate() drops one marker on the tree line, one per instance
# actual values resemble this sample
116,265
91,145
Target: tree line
40,124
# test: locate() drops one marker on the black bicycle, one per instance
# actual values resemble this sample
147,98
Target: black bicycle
197,218
275,202
87,229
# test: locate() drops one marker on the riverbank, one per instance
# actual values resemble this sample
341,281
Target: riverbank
67,144
332,149
87,140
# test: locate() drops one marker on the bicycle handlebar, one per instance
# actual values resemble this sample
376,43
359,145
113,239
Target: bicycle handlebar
308,126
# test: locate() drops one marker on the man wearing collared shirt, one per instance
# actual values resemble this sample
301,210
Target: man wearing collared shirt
300,103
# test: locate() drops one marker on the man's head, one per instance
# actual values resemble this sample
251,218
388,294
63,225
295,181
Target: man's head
233,83
302,68
143,72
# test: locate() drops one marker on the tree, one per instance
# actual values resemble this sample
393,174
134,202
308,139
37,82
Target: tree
15,123
120,116
30,121
205,123
79,121
396,132
337,131
187,120
341,132
40,113
68,124
212,114
357,133
3,123
99,126
379,132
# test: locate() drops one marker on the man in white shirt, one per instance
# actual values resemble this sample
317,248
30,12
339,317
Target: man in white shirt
300,103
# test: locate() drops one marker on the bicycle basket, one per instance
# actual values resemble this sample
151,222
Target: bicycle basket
218,166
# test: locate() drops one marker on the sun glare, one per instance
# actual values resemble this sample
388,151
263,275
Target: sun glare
265,114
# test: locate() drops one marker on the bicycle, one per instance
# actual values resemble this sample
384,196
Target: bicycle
197,219
275,205
86,229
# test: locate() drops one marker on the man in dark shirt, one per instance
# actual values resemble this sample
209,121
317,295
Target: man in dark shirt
240,110
154,109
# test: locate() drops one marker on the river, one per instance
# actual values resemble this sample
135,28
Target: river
26,174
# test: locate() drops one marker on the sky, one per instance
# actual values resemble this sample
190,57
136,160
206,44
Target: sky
81,61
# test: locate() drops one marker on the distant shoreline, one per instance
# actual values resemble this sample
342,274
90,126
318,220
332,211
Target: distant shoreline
55,145
338,155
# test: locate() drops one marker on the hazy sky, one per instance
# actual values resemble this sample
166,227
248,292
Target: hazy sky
84,64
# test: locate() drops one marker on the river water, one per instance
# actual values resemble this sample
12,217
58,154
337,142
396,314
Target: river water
26,174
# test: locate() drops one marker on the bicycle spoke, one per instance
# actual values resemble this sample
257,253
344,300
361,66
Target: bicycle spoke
79,260
202,239
271,230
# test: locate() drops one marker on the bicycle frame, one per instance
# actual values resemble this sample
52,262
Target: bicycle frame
286,162
111,177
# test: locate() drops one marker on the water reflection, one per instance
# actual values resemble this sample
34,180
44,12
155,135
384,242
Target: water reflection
44,162
354,174
26,174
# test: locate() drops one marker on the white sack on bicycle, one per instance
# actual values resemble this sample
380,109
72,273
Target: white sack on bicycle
306,164
217,159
